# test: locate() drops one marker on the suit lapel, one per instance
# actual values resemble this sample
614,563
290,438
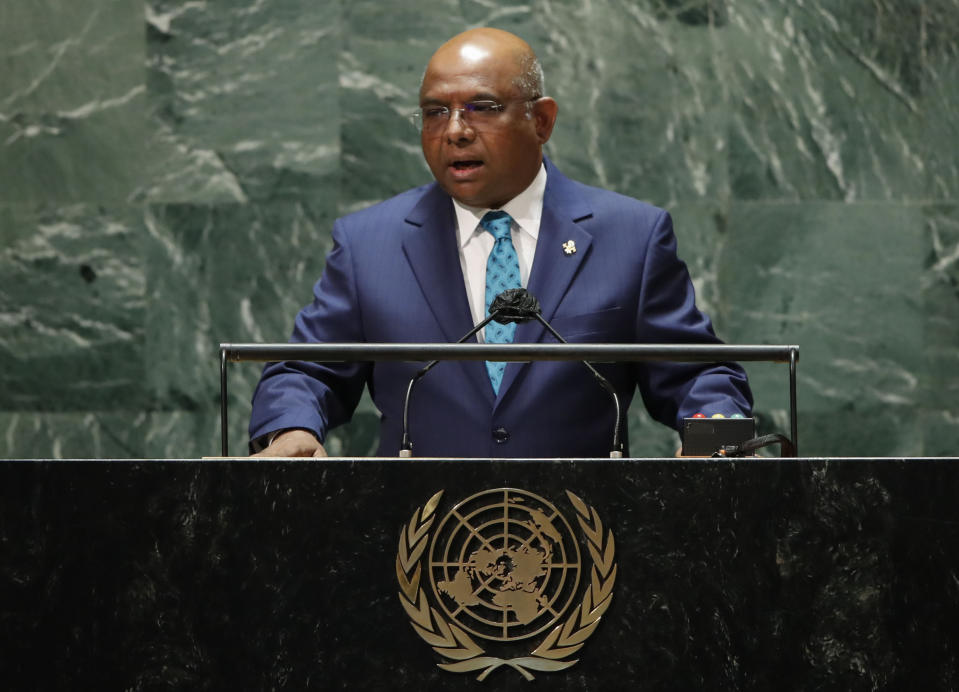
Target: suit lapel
553,270
431,249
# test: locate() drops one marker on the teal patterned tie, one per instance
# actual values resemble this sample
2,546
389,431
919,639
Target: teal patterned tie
502,272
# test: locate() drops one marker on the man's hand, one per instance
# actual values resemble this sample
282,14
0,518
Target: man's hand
293,443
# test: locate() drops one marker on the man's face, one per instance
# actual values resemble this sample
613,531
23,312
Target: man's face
482,165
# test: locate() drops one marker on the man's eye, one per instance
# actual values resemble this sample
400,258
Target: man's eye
483,107
429,113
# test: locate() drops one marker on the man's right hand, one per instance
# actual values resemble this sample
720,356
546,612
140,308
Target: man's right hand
293,443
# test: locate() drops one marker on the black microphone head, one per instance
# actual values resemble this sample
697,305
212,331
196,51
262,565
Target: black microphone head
514,305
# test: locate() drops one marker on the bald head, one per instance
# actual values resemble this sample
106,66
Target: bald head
486,145
485,44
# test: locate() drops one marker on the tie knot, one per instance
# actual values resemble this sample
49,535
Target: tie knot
497,223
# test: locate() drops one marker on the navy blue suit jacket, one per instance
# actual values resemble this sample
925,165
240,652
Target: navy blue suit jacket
394,276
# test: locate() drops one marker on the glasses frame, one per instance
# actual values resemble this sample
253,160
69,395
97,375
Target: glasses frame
445,113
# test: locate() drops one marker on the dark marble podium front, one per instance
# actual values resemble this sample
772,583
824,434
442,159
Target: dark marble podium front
810,574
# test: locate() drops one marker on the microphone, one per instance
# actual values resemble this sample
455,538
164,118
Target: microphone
513,305
504,309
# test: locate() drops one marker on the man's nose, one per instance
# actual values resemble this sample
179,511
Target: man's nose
458,127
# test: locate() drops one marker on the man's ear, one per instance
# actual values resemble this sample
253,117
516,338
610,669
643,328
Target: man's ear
544,117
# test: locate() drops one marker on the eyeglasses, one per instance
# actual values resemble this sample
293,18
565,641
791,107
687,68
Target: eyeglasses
479,115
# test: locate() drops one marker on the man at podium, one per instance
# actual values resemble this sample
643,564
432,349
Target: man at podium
424,266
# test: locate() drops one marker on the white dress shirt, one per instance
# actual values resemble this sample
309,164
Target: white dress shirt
475,243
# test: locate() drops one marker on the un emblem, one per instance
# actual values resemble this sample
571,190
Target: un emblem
504,566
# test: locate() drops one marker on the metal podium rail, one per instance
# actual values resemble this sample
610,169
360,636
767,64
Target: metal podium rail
597,353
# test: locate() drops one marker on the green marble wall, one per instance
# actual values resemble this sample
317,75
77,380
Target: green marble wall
168,182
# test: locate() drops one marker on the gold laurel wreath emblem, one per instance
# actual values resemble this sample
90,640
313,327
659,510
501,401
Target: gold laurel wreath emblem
454,644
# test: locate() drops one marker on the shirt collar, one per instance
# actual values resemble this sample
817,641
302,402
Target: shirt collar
526,208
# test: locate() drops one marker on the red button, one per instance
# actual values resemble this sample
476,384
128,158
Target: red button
699,415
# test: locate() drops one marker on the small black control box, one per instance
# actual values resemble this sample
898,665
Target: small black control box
702,437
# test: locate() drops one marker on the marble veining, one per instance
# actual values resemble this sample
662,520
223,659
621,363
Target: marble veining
169,173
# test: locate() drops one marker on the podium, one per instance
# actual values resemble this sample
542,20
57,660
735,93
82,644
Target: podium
755,574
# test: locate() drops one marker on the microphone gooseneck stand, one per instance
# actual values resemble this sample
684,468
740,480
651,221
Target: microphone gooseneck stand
617,451
406,445
512,305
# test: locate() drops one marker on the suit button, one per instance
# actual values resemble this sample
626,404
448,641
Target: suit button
501,435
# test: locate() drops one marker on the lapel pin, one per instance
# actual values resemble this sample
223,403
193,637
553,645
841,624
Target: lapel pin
569,247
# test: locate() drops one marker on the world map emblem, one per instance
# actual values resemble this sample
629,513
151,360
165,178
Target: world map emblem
500,581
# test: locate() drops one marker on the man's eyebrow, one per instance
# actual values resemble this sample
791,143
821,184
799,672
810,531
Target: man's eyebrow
478,96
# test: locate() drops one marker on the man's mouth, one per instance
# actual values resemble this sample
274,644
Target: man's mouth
465,166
